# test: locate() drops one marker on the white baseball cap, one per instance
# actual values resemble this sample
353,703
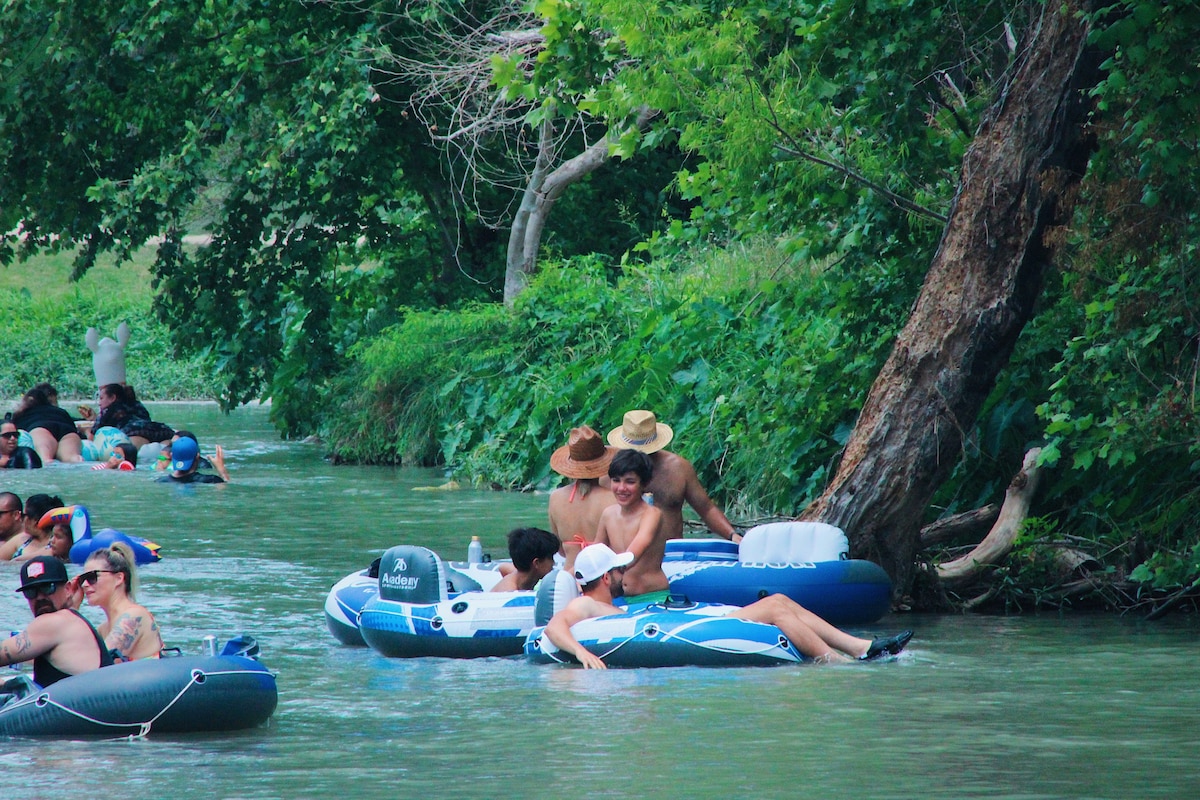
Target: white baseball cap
597,559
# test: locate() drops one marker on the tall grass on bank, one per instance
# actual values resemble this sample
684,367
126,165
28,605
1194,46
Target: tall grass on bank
46,321
756,361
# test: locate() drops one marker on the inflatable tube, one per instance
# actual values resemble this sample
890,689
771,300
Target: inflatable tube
103,443
667,635
344,603
851,592
467,625
806,561
417,612
144,550
183,694
349,595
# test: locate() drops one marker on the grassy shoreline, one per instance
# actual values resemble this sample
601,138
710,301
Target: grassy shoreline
49,315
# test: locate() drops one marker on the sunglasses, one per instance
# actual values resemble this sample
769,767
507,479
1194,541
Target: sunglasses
9,435
92,575
41,590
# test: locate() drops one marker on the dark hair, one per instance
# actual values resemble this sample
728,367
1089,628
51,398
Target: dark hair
128,451
13,496
527,544
631,461
115,391
187,435
36,505
34,398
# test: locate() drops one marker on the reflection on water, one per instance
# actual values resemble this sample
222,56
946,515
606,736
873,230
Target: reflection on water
1035,707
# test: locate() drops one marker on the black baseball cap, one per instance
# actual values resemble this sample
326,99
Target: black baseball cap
41,570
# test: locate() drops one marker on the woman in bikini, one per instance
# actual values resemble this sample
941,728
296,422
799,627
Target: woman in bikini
109,580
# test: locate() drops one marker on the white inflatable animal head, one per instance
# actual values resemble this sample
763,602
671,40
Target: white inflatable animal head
108,355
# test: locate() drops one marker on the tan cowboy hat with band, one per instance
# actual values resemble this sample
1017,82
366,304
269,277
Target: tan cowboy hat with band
583,456
641,431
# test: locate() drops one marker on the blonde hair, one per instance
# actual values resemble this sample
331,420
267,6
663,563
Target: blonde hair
120,558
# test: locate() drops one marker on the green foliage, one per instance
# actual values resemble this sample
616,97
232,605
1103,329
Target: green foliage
46,319
723,350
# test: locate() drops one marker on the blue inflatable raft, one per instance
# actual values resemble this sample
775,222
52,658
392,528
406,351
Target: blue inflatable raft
417,611
806,561
180,694
144,550
671,635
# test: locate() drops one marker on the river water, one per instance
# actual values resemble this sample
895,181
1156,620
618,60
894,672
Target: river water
1049,706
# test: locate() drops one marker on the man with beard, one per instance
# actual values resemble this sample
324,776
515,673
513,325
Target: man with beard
59,640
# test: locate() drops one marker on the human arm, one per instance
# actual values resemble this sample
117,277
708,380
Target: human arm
602,536
39,638
124,635
710,514
558,631
8,548
218,462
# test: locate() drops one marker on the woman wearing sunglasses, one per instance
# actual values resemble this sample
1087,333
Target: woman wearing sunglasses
109,580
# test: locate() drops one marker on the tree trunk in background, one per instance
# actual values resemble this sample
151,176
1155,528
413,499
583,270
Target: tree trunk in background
542,191
1019,180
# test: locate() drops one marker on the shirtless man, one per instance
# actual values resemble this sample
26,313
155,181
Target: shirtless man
634,526
34,541
59,640
532,551
674,481
601,574
575,509
12,516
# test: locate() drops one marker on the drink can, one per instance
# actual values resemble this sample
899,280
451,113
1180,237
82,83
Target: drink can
210,645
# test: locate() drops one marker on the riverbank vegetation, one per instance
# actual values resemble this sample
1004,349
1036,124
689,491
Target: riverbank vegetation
46,316
874,262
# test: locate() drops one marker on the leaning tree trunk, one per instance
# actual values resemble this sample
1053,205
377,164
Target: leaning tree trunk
541,193
1019,178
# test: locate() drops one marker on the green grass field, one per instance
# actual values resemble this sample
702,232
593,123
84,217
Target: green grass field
47,316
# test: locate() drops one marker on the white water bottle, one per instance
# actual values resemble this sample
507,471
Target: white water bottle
475,551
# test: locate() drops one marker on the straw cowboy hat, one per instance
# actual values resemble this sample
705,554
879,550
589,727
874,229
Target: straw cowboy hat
641,431
583,456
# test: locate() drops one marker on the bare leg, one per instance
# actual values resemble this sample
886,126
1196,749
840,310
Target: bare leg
813,636
45,444
139,441
70,448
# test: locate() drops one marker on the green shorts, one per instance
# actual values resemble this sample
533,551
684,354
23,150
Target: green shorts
648,597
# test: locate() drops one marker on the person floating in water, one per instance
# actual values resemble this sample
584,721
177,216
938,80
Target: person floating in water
600,571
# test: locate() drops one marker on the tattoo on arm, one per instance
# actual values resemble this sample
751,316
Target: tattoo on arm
124,633
16,649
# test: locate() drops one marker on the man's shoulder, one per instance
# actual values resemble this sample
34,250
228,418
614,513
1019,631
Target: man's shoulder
65,619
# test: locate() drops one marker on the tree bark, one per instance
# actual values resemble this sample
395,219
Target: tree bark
968,523
1018,180
542,191
999,541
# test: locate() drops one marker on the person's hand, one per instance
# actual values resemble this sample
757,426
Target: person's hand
218,462
75,599
590,660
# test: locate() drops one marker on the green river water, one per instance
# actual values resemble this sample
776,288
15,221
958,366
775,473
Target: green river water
1049,706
